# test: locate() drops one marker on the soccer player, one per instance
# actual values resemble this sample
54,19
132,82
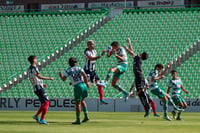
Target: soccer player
176,85
80,82
155,75
117,71
90,55
139,76
36,80
150,99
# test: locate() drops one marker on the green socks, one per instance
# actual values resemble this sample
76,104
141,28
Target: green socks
78,117
165,107
109,75
119,88
85,112
179,114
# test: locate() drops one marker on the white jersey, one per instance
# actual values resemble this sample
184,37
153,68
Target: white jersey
89,65
32,74
175,84
75,75
153,84
121,52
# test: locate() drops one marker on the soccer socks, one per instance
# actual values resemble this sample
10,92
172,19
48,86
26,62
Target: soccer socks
85,112
100,90
119,88
109,75
172,102
78,115
40,110
45,108
153,106
165,107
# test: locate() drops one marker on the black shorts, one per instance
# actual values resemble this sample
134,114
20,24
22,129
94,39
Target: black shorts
92,76
139,83
40,92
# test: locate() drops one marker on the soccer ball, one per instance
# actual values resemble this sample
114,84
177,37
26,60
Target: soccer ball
109,48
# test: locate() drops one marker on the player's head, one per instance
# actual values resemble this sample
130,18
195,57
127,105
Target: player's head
32,59
72,61
144,55
174,74
90,44
115,45
159,67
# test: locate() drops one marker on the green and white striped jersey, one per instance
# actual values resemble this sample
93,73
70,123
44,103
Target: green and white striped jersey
175,84
75,75
153,74
121,52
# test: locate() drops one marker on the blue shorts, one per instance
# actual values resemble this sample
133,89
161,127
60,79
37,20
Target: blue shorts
40,92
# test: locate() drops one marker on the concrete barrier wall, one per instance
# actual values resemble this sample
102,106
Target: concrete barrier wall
115,105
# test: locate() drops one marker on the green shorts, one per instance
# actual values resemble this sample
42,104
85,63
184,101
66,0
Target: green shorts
80,92
178,99
158,92
122,68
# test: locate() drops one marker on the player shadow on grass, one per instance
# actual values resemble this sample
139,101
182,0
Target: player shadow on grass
16,122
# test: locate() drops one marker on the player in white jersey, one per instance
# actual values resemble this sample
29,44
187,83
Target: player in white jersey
80,82
119,70
150,99
36,80
90,56
176,85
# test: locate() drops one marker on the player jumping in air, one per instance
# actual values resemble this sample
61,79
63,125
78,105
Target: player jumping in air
150,99
117,71
155,75
139,76
90,55
36,80
80,82
176,85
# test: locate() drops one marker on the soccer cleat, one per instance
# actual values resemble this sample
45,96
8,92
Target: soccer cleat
126,96
43,122
76,123
178,119
104,84
174,114
103,102
167,118
146,115
178,109
156,115
85,120
36,118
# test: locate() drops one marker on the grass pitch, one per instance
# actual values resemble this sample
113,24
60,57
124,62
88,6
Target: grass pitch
101,122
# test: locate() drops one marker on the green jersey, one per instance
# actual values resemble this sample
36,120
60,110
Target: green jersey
121,52
175,84
153,84
75,75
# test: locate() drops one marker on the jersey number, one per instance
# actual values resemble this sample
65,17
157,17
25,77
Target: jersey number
76,77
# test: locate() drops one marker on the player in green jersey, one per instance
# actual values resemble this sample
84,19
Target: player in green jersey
176,85
119,70
80,82
155,75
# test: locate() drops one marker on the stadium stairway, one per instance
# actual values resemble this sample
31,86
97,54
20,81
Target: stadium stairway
61,49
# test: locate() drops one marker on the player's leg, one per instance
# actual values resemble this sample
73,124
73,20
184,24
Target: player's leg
182,105
153,106
144,100
118,87
172,101
85,110
78,113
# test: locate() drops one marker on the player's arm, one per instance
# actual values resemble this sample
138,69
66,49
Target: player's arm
122,58
109,53
168,90
86,79
62,77
129,49
131,89
182,88
44,78
97,57
157,78
166,68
